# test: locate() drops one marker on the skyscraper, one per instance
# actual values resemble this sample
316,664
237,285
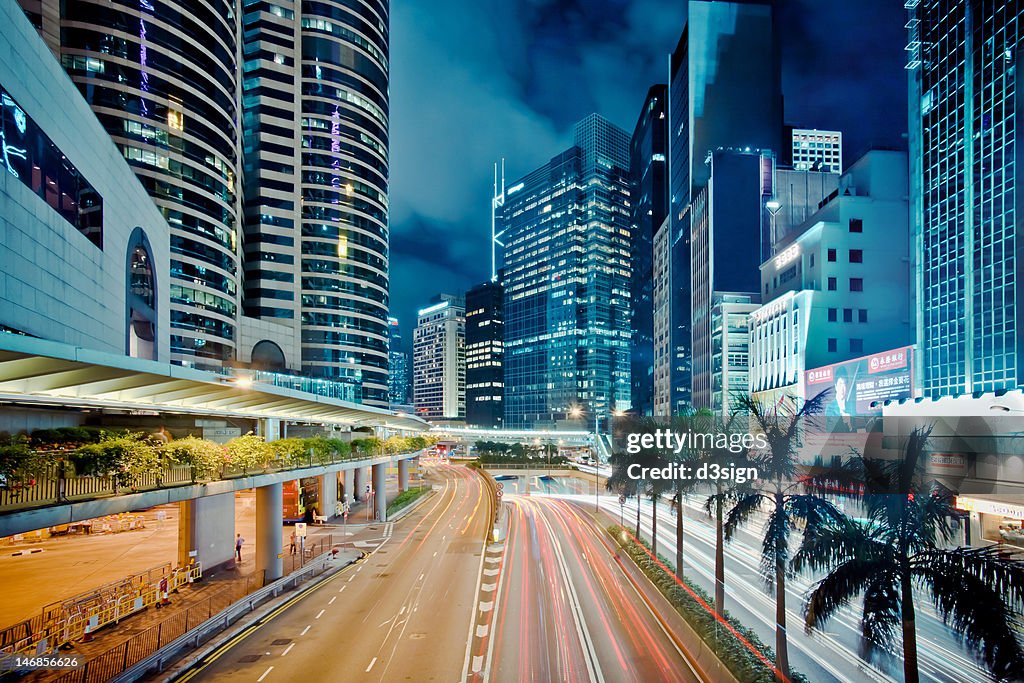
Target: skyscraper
262,135
649,206
439,360
963,60
398,366
817,150
567,276
724,91
485,338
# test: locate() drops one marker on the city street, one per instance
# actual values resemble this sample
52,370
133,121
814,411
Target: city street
828,656
566,609
400,614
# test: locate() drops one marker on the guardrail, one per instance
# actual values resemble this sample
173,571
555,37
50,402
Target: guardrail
200,634
540,465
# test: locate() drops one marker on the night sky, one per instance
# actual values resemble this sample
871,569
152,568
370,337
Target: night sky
473,81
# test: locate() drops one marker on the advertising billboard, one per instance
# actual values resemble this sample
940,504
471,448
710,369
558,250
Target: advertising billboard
857,384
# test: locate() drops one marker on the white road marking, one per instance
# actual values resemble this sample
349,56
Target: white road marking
306,630
481,630
341,589
486,606
435,553
331,601
372,662
402,611
321,613
491,572
288,649
478,662
269,669
488,587
421,577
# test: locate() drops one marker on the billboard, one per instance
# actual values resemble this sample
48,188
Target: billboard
856,384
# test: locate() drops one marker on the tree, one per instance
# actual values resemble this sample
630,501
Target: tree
900,545
250,452
636,454
204,457
777,490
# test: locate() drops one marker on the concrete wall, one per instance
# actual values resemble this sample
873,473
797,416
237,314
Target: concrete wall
214,537
54,282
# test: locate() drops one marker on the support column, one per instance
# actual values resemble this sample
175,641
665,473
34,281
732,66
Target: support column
328,493
207,526
358,483
269,525
380,494
403,475
269,428
186,531
349,477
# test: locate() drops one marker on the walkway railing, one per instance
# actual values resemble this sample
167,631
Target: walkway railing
57,483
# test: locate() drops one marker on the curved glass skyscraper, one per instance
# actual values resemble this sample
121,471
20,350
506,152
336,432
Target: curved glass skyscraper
162,80
344,185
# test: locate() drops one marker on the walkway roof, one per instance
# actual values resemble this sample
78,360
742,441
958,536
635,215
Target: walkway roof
45,373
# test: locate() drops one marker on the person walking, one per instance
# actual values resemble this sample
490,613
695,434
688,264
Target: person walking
293,543
238,547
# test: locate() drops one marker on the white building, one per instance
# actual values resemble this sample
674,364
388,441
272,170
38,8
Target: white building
439,360
730,349
818,150
837,288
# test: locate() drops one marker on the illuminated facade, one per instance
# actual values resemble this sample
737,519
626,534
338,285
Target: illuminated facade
837,287
818,150
567,279
439,360
962,63
730,350
398,366
485,339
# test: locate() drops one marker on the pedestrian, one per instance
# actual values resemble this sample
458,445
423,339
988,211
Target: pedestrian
238,547
293,543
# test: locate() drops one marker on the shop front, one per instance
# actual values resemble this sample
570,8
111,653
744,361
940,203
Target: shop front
994,519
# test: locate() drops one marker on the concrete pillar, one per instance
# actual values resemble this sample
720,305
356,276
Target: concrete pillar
403,475
269,525
269,428
358,484
186,531
349,477
328,493
380,494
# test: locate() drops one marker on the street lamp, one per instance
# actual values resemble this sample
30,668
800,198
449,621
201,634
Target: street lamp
774,206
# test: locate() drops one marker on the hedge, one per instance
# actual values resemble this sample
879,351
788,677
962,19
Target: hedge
743,663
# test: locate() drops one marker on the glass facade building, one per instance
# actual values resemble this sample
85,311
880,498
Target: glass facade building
439,360
567,280
485,338
963,57
398,366
649,206
162,81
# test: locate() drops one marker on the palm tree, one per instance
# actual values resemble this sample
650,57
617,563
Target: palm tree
777,489
619,482
900,545
701,422
644,457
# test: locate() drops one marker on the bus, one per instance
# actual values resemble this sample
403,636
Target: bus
299,496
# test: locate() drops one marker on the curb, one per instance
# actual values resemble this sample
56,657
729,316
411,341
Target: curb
412,506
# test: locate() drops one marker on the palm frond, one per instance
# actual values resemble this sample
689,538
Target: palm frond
840,541
740,513
975,590
845,582
882,614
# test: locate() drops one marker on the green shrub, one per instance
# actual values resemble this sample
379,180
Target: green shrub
250,452
340,448
405,498
291,451
123,457
204,457
743,664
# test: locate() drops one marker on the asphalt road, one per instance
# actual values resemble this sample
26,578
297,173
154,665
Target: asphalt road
565,610
400,614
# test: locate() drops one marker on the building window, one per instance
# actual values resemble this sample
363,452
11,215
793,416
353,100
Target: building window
847,315
833,345
832,317
833,284
856,225
812,261
856,256
856,284
862,315
831,255
856,346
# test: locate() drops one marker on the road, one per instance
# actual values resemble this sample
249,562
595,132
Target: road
400,614
565,610
831,655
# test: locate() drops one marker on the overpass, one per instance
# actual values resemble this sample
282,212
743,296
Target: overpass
546,436
40,377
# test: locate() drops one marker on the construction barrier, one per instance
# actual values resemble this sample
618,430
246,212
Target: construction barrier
78,618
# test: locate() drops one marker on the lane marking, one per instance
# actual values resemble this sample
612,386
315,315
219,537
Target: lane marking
333,598
306,630
478,662
372,662
341,589
288,649
321,613
260,679
481,630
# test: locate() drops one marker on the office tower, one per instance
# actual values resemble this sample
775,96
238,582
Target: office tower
730,350
730,229
649,206
566,234
724,92
485,339
262,138
398,366
835,288
963,61
171,107
439,359
817,150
